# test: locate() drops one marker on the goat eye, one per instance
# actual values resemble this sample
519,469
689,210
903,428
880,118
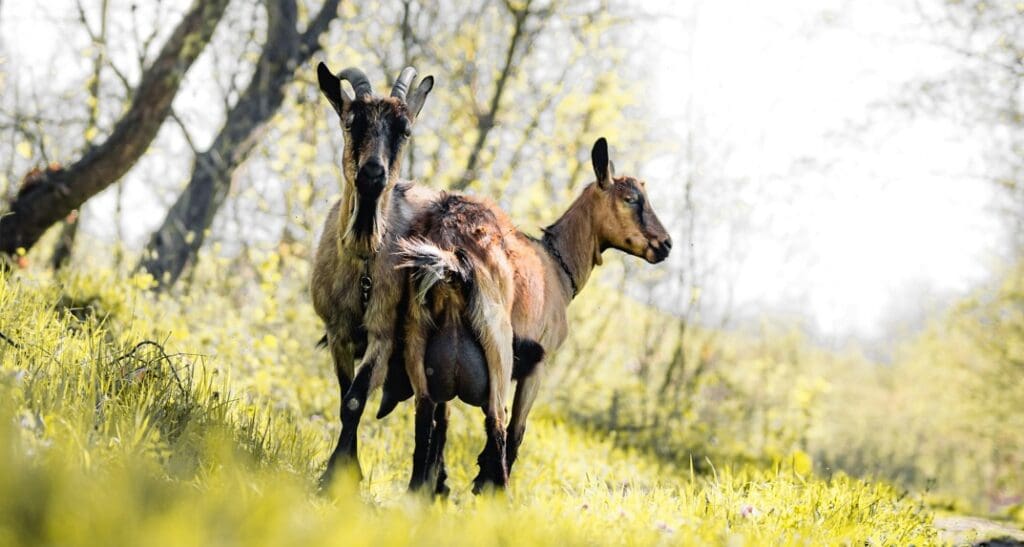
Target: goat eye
630,199
407,132
347,121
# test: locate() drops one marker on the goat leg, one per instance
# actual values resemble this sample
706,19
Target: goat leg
424,433
341,354
346,453
492,462
436,472
526,394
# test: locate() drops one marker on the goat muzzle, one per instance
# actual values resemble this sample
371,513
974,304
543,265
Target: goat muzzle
371,178
658,249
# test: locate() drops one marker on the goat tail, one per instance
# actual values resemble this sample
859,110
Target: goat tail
430,265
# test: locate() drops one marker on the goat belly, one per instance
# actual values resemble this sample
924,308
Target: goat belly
455,366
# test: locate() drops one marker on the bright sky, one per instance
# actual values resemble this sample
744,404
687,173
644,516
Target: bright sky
852,223
884,213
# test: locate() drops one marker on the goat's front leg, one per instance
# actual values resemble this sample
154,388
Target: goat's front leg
526,394
379,320
341,349
341,354
374,366
347,452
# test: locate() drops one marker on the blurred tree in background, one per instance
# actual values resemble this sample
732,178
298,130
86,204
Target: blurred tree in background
176,243
984,92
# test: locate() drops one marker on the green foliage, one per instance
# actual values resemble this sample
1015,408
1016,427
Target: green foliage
735,398
947,416
126,419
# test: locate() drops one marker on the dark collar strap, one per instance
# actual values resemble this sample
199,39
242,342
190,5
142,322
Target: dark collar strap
365,285
550,245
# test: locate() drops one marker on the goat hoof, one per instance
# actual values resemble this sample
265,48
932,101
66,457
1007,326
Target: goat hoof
415,486
487,486
442,491
343,467
322,484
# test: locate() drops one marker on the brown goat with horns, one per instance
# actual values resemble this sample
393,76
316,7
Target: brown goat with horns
351,272
475,280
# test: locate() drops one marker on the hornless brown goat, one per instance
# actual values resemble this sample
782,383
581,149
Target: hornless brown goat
475,279
348,277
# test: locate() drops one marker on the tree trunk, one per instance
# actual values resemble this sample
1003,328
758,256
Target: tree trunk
38,206
175,244
65,243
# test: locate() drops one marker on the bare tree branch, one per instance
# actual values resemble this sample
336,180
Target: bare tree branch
175,244
486,120
40,205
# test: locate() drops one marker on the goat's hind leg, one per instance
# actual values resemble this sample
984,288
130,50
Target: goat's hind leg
436,471
428,455
431,418
492,462
421,453
494,329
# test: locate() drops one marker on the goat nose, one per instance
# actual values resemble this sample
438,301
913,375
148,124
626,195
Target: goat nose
665,248
373,169
370,181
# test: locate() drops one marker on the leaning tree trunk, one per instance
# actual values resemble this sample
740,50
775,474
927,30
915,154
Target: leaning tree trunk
175,244
59,191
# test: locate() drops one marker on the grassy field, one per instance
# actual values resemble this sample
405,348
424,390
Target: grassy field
133,420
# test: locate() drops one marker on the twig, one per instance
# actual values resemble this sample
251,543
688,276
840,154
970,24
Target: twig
184,131
7,339
138,346
163,357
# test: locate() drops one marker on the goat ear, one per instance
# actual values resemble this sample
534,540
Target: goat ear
602,166
419,96
330,86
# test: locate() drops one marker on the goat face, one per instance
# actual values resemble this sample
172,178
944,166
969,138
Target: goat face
376,131
623,215
376,128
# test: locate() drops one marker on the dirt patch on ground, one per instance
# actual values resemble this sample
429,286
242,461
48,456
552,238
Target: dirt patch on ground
961,530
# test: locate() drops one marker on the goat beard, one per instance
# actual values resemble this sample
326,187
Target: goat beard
365,229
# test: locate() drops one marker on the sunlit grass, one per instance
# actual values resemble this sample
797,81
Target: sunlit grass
129,421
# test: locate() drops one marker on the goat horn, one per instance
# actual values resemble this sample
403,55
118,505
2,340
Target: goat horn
403,82
360,84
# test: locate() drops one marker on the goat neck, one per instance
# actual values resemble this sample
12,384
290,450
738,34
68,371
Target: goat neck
573,237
